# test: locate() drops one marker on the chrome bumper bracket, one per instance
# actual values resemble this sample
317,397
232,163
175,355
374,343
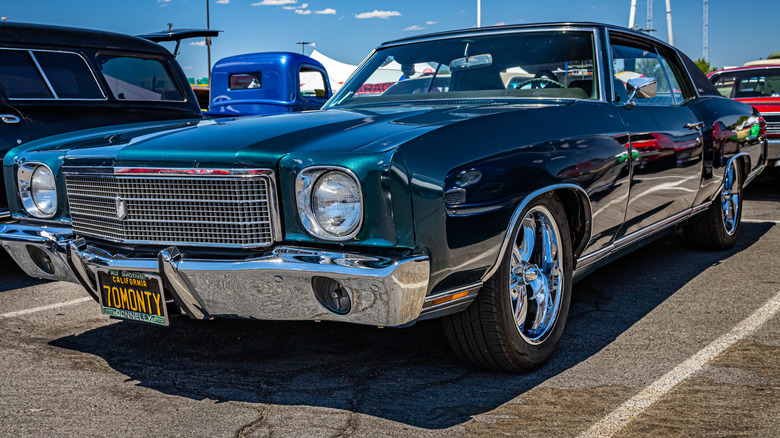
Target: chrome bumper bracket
187,300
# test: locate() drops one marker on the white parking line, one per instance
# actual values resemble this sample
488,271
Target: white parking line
620,417
42,308
761,221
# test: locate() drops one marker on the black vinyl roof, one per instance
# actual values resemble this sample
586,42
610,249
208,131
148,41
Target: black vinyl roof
27,34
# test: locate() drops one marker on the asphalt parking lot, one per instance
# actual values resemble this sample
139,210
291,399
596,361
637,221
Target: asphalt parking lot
668,341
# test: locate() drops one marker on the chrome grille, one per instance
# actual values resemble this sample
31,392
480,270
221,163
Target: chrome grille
179,209
772,122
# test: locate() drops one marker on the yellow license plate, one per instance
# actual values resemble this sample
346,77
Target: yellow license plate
132,295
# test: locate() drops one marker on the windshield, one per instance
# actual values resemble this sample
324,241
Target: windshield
547,64
749,83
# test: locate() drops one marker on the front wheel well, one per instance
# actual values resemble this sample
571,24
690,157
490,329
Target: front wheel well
578,215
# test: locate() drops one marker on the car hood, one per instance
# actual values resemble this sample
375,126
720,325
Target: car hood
260,141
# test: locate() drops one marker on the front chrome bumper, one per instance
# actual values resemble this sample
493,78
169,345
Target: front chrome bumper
279,286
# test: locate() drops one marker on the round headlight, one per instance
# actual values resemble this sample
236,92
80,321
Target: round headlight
336,203
37,189
44,191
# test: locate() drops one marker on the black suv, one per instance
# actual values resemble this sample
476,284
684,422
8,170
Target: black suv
58,79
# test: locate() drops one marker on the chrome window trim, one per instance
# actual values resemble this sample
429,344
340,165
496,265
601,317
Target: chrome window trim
43,74
185,173
585,29
655,46
46,79
598,54
611,68
306,215
690,78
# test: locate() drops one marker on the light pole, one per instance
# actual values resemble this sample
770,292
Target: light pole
208,43
479,13
303,46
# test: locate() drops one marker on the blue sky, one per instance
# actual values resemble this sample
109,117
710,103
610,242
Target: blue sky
348,30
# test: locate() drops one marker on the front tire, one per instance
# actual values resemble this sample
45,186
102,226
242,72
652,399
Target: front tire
718,227
518,318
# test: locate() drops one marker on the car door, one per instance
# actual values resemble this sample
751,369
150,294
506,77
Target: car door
665,138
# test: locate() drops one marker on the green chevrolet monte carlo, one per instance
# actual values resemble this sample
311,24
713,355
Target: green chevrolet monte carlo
516,160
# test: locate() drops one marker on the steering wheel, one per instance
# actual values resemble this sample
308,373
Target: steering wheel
539,83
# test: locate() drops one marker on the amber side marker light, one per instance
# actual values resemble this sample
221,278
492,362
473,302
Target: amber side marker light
441,300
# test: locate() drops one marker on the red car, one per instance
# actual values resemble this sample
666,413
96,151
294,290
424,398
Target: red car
758,86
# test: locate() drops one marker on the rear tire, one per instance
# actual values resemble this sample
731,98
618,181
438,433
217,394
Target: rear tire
718,227
518,318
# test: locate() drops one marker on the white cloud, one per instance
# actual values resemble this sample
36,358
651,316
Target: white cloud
223,2
302,11
275,2
500,23
378,14
198,43
290,8
430,23
326,11
414,27
304,6
163,3
186,67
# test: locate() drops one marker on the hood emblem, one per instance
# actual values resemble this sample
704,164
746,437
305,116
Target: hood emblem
121,208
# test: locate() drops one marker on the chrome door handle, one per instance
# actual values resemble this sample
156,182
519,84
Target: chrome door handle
695,126
9,118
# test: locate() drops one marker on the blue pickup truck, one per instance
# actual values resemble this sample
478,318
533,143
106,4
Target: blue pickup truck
267,83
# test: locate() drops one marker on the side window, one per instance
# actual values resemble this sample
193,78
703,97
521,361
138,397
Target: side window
69,75
19,77
312,83
132,78
631,62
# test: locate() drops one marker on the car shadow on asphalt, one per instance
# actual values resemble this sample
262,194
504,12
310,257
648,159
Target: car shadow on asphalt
11,275
403,375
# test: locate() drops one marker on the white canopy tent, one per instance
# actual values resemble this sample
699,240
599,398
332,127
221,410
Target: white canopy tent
338,72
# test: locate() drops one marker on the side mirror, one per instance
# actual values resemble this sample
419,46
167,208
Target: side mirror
643,88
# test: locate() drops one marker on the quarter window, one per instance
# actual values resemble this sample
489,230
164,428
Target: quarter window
19,78
69,75
312,83
138,79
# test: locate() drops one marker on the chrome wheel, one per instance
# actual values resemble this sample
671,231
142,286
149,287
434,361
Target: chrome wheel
536,276
729,198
